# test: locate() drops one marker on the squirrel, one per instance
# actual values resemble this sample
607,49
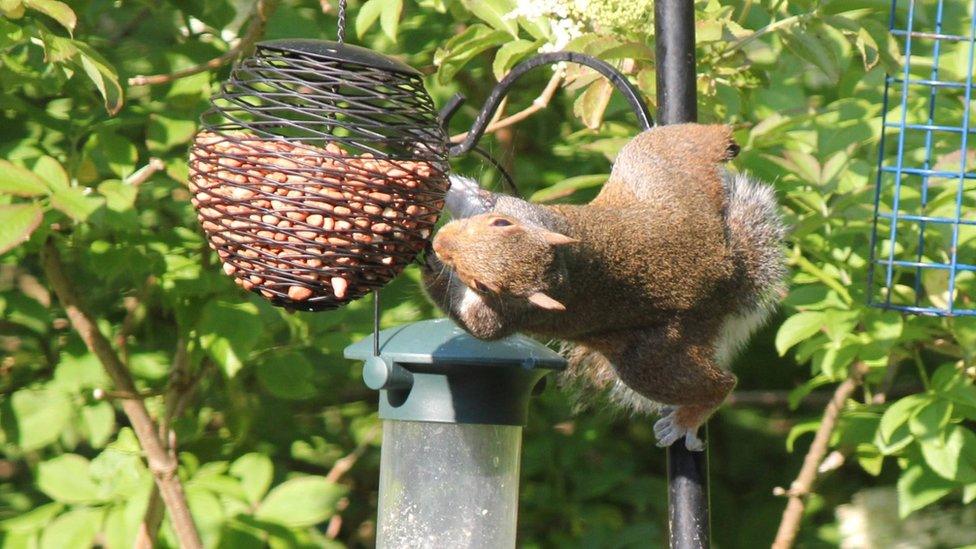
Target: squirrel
654,285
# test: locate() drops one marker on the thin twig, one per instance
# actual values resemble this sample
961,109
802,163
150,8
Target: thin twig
335,523
103,394
161,463
537,105
800,488
132,306
340,468
259,19
345,463
141,175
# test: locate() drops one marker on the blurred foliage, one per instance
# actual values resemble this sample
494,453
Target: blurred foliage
275,406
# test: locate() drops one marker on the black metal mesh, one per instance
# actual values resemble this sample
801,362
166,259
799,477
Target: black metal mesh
319,172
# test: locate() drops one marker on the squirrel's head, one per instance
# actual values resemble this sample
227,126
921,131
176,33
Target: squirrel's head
500,257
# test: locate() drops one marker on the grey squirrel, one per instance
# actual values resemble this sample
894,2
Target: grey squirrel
653,285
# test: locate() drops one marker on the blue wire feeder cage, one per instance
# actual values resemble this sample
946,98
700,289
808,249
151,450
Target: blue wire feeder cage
923,245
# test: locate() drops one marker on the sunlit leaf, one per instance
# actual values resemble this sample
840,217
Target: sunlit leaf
17,223
301,501
20,181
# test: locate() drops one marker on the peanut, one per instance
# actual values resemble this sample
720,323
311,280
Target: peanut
299,293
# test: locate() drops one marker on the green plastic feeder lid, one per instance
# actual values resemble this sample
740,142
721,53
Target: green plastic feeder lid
434,371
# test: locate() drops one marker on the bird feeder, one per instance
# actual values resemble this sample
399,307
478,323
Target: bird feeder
319,172
453,408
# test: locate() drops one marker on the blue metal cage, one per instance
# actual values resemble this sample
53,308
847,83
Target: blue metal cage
923,244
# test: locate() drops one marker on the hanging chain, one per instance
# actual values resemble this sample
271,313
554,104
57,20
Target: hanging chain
342,21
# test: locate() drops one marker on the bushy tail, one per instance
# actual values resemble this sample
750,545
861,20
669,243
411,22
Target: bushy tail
755,234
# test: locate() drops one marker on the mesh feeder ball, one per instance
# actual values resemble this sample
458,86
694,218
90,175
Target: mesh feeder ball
319,172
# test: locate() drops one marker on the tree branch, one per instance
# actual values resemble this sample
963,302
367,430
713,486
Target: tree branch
161,463
537,105
178,390
259,19
800,488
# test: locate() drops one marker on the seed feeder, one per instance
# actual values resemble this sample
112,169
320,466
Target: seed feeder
453,408
923,242
319,172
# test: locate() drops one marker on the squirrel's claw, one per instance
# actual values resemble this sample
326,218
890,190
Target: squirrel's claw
667,432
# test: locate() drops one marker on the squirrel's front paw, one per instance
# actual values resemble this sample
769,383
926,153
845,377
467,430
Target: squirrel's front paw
668,430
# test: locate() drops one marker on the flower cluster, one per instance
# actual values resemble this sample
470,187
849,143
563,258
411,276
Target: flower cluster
570,19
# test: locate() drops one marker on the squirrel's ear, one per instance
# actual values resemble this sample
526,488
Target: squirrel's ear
557,239
543,301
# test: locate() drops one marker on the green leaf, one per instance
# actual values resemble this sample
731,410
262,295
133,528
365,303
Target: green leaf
40,416
83,57
255,471
953,459
67,478
14,9
510,54
167,132
367,16
870,459
287,375
52,172
461,49
930,419
806,44
969,494
99,422
300,502
493,12
228,332
798,328
898,413
17,223
32,520
592,104
103,75
119,196
918,487
390,18
59,11
75,529
119,470
799,430
75,203
569,186
20,181
112,153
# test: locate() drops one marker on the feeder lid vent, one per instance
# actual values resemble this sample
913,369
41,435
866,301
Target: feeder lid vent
441,341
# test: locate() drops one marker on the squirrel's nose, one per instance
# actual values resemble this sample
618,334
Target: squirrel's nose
440,248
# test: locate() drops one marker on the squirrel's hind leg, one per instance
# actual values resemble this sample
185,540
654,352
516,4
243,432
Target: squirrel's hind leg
675,365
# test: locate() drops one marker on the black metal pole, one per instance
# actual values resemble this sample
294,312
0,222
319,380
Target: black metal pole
674,33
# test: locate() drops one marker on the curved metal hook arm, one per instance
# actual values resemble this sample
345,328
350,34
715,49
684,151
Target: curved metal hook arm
629,91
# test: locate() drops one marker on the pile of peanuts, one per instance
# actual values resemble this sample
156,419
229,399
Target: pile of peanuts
297,222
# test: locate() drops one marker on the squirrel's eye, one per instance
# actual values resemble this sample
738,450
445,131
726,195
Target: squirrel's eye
500,222
481,287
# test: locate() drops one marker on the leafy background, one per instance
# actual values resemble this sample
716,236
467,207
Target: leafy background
276,436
